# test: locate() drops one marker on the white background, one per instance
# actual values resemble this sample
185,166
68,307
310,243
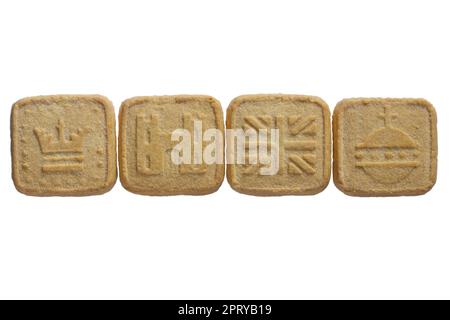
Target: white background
225,245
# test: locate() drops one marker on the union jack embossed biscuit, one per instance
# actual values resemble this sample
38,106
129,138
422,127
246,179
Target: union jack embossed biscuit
384,147
285,148
171,145
63,145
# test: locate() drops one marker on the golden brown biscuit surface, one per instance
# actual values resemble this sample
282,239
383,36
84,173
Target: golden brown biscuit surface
303,126
63,145
145,144
384,147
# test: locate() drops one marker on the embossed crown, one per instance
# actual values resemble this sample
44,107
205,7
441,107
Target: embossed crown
61,144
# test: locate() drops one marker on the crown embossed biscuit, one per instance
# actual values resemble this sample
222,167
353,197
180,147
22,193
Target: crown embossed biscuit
171,145
384,147
285,148
63,145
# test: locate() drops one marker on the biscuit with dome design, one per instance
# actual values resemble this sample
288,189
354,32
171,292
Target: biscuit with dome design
384,147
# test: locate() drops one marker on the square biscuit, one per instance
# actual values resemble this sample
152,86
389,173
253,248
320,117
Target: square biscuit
63,145
146,145
384,147
300,163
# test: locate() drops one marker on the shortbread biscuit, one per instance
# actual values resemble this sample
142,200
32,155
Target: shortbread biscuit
297,163
63,145
384,147
147,145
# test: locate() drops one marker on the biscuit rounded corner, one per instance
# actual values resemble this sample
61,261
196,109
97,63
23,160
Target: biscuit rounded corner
215,103
233,105
341,187
339,184
342,105
321,103
110,182
323,185
236,101
22,188
429,107
126,184
23,102
234,184
427,188
218,184
237,188
219,178
129,102
103,100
